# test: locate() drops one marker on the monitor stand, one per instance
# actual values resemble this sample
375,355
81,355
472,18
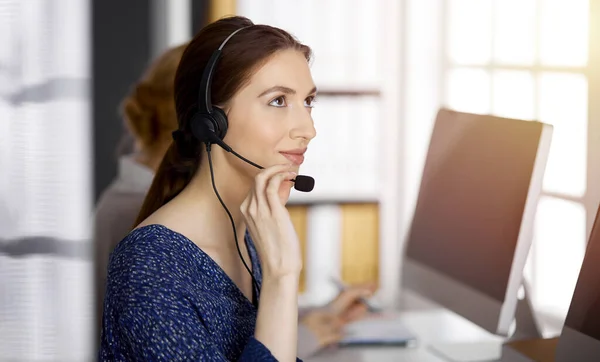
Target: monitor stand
526,327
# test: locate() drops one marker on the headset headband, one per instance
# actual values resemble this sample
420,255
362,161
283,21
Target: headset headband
204,101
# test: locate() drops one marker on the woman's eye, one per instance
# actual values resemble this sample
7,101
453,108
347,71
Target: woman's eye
310,102
278,102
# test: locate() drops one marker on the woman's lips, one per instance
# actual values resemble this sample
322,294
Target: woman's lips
295,158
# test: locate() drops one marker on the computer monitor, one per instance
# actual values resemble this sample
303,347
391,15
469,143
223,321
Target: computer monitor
580,337
473,222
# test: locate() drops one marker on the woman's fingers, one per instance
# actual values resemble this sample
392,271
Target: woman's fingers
355,312
273,186
348,298
257,196
260,184
331,338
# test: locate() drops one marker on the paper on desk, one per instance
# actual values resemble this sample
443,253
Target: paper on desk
385,328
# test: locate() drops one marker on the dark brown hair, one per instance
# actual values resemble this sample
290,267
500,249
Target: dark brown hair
242,55
148,109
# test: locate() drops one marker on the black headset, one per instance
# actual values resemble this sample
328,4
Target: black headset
209,124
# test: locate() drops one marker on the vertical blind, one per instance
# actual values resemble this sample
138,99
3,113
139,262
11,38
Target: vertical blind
45,182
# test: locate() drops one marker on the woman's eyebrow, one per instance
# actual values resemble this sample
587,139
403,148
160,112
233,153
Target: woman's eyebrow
285,90
278,88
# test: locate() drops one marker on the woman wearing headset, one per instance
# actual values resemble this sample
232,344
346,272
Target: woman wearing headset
177,287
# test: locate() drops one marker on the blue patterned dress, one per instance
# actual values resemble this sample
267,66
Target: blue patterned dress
166,300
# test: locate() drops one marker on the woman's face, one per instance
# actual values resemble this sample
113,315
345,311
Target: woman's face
270,119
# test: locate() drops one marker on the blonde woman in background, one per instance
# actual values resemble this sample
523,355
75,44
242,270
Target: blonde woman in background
148,112
150,118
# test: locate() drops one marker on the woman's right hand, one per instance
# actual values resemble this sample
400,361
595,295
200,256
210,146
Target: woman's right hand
270,226
326,326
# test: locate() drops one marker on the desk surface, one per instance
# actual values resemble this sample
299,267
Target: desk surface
429,322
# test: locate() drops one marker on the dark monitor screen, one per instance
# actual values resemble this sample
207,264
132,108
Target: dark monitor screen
584,311
472,198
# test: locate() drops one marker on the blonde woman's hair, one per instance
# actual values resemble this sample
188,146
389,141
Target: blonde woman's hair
149,108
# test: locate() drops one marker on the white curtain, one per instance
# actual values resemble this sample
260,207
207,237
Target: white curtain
45,181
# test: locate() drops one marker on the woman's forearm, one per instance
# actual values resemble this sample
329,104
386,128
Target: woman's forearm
277,320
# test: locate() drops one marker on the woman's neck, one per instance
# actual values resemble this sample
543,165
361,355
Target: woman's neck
209,216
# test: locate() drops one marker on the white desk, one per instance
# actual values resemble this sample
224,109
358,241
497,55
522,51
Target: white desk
429,322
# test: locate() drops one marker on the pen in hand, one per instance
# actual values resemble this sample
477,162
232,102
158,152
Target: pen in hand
342,287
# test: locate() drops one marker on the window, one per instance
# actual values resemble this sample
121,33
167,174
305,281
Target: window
45,187
528,59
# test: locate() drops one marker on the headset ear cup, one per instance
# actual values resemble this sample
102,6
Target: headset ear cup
201,126
221,122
